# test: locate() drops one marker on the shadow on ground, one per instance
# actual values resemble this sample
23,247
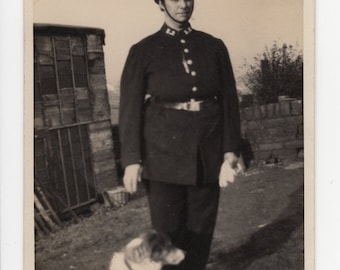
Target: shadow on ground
267,240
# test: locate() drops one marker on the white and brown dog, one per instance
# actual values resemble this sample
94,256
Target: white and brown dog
149,251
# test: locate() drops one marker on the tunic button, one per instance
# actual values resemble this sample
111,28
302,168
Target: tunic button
182,41
189,62
186,50
193,73
194,89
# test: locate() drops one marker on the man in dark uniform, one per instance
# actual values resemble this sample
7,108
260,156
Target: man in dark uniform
180,128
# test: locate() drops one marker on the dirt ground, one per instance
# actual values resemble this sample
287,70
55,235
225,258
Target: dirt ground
260,226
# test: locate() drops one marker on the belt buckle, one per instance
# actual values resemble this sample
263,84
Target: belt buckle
194,106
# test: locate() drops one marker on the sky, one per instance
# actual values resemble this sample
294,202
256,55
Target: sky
245,26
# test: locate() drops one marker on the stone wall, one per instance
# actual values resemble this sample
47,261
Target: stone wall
273,131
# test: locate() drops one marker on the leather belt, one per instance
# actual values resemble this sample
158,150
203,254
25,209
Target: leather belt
192,105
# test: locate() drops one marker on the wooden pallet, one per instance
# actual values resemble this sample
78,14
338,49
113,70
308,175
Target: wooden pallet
45,218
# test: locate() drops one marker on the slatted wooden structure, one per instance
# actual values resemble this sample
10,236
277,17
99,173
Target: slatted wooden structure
74,158
45,218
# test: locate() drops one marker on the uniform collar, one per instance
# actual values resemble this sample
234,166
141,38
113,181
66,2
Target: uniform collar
173,33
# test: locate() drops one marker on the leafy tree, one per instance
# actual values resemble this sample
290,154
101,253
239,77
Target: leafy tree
277,72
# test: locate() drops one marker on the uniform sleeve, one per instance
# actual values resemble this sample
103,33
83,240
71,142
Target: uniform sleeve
230,103
131,108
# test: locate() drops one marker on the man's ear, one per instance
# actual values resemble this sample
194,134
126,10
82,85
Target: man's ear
161,5
136,251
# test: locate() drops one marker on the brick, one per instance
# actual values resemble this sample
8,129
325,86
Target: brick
285,108
257,112
244,126
284,138
98,81
263,109
254,125
277,109
289,128
252,136
296,107
294,120
275,122
266,140
276,131
262,155
299,132
285,153
248,113
242,114
294,144
280,138
270,110
300,153
270,146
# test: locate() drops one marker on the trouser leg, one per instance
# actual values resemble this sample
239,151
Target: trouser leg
167,204
201,220
188,215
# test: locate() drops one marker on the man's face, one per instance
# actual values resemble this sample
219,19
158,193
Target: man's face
180,10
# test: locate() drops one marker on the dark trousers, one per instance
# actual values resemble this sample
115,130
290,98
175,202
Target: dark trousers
188,215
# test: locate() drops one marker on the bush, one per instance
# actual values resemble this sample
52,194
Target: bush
277,72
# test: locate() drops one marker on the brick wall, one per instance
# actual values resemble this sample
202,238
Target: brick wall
269,131
273,131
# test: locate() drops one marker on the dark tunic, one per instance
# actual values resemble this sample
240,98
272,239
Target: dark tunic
175,145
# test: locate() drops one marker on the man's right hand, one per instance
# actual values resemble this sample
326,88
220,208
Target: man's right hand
132,175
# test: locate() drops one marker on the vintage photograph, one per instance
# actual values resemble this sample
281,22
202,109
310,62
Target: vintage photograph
169,134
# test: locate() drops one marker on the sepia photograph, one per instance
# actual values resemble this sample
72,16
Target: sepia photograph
170,134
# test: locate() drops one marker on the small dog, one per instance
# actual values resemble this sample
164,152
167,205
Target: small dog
149,251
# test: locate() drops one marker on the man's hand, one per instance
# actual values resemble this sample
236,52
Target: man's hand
229,169
132,175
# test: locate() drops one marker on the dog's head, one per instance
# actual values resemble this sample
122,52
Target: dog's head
153,247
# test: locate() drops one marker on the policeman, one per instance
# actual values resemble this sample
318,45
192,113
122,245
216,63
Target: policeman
180,128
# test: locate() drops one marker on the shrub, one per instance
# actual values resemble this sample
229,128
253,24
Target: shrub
277,72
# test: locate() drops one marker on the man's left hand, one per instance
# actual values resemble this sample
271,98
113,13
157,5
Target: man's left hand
229,169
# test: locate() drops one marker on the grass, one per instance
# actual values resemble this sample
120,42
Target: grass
260,226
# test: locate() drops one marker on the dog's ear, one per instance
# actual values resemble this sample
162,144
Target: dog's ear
136,251
160,245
